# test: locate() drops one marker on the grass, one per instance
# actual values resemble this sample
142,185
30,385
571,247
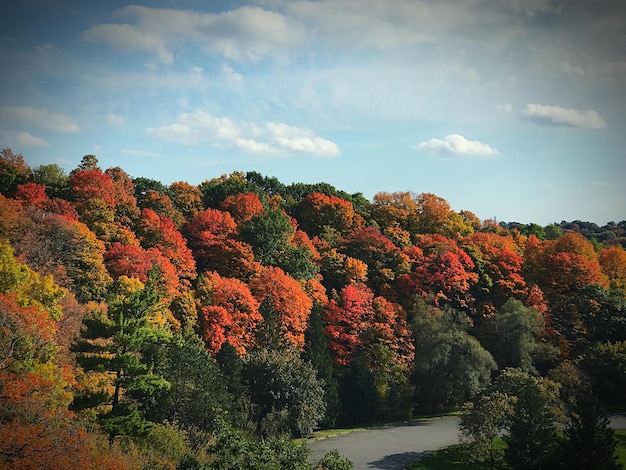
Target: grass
324,433
620,434
449,458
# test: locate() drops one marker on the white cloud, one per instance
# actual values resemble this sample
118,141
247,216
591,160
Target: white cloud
556,115
231,76
39,117
604,184
115,119
127,37
26,139
504,108
200,127
244,33
139,153
455,145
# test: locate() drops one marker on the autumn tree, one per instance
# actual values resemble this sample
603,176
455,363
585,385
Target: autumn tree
242,206
441,272
562,268
36,427
285,307
126,210
384,260
613,264
317,211
136,262
162,204
211,235
159,232
186,198
228,312
64,248
498,266
399,209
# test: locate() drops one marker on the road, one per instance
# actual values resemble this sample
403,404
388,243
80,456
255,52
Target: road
396,447
390,447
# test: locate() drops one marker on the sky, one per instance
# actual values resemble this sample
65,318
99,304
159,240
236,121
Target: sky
511,109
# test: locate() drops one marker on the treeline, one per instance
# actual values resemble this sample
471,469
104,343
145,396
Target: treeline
176,326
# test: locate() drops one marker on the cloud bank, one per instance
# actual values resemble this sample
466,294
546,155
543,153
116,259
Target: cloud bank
39,117
455,145
555,115
200,127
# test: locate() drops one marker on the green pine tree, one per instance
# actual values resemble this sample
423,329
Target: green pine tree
112,347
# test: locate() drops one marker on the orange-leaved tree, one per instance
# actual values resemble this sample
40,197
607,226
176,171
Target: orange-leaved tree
228,312
285,306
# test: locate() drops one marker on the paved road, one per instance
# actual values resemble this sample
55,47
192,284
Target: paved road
396,447
390,447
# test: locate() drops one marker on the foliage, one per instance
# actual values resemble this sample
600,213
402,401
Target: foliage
333,461
111,348
368,310
589,441
512,336
286,390
450,365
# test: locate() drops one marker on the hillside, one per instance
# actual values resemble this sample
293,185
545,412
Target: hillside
146,325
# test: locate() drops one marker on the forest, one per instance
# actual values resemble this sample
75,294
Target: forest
152,326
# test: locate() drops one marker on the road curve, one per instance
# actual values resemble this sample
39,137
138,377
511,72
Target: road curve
395,447
391,447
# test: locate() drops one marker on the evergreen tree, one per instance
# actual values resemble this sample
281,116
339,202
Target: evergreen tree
317,353
590,442
112,350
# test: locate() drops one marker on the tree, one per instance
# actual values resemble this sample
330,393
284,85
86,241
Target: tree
135,262
357,394
228,313
605,365
242,206
317,211
186,198
115,343
399,209
483,420
385,261
285,388
37,429
287,306
531,430
317,352
589,441
231,450
160,232
450,365
613,264
442,272
13,171
211,237
66,249
268,234
54,179
197,396
512,335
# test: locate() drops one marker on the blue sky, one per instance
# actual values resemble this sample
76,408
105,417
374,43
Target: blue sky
514,109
